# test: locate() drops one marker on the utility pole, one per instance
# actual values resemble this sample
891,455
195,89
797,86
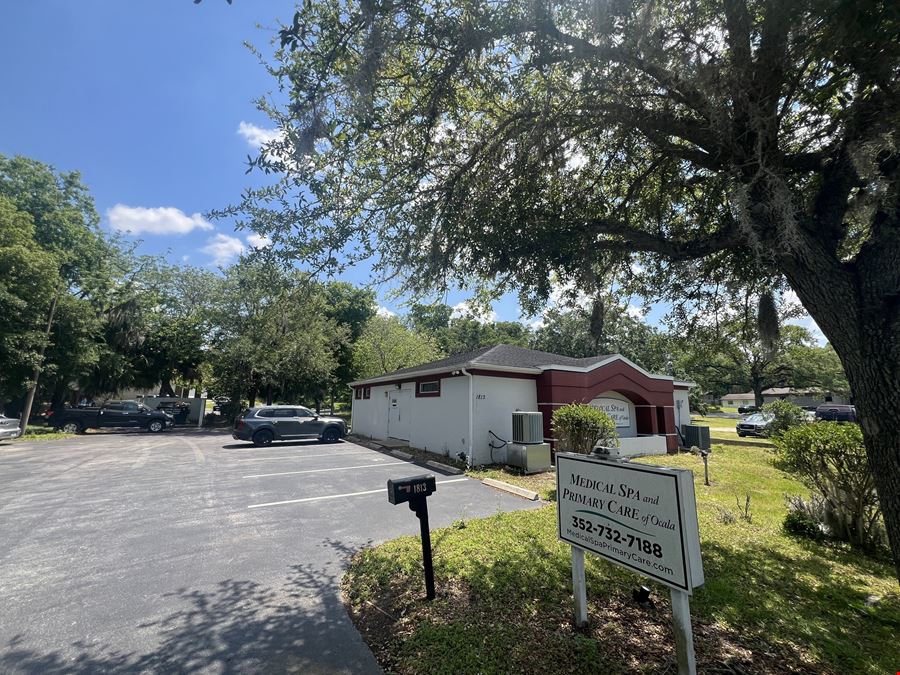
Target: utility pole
29,399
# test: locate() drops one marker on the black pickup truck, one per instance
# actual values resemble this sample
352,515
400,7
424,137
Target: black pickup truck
124,414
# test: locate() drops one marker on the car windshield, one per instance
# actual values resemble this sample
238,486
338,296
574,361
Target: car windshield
758,418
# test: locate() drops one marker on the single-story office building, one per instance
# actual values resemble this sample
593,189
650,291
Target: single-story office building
450,406
801,397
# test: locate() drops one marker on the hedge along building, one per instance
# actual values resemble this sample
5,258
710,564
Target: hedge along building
450,406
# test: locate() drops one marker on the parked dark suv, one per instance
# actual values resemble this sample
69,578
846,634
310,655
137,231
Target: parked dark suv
265,424
836,413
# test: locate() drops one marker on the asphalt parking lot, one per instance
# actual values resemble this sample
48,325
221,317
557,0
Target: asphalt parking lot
186,551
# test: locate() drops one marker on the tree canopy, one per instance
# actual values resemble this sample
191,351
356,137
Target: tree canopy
503,143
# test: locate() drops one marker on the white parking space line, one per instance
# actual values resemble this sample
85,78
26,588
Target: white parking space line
337,468
349,494
327,454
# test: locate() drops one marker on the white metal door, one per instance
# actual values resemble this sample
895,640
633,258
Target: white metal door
399,414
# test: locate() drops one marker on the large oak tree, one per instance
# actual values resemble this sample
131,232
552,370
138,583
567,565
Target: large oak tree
463,140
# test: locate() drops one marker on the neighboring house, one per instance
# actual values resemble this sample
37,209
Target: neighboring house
734,400
801,397
450,406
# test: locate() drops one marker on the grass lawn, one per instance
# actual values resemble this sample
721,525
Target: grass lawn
771,603
721,430
42,434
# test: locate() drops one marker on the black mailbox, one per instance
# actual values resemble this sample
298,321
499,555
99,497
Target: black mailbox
402,490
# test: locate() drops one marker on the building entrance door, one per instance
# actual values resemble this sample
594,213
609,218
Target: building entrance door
399,414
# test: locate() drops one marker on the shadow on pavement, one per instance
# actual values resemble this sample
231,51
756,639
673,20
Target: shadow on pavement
238,627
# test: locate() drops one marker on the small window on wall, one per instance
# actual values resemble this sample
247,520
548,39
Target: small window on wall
430,388
367,392
357,393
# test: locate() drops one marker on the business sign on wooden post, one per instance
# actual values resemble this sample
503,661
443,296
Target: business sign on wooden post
638,516
641,517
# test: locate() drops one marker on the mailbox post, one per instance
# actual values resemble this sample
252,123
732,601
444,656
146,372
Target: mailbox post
415,491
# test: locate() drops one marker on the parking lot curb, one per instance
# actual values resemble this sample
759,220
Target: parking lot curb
444,467
515,489
401,454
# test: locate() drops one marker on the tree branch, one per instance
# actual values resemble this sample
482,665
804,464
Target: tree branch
632,239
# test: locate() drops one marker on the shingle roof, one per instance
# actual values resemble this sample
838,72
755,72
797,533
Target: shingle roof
508,356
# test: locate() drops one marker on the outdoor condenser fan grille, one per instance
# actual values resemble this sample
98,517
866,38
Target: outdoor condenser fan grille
527,427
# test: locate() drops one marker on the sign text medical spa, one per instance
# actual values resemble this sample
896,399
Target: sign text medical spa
641,517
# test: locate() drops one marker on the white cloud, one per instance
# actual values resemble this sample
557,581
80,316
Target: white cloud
158,220
385,312
185,257
566,296
223,248
258,241
255,136
634,311
465,309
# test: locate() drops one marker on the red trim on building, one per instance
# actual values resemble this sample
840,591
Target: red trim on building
653,398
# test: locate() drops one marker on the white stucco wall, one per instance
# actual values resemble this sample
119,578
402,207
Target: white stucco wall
369,416
440,424
682,415
496,399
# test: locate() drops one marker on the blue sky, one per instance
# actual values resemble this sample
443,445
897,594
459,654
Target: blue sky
152,101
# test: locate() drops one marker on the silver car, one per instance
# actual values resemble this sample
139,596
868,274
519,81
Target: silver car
269,423
757,424
9,427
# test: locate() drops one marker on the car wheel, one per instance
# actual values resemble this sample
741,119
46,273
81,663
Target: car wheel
330,435
741,435
155,426
263,438
71,428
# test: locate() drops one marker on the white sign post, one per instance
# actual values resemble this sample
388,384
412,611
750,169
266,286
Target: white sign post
641,517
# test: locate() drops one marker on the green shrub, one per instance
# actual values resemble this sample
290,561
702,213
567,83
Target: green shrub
578,428
829,457
786,416
696,401
805,518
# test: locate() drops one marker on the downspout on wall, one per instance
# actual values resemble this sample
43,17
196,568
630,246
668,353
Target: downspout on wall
469,460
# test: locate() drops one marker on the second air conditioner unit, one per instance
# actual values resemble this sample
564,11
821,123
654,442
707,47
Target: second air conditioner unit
527,427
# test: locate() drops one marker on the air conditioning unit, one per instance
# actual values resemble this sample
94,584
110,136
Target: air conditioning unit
695,435
527,427
531,458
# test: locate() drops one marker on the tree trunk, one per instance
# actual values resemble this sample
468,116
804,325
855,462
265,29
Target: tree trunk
861,319
874,382
268,394
29,398
757,384
165,388
758,395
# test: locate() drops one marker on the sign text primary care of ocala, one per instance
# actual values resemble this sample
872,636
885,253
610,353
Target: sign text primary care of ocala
641,517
